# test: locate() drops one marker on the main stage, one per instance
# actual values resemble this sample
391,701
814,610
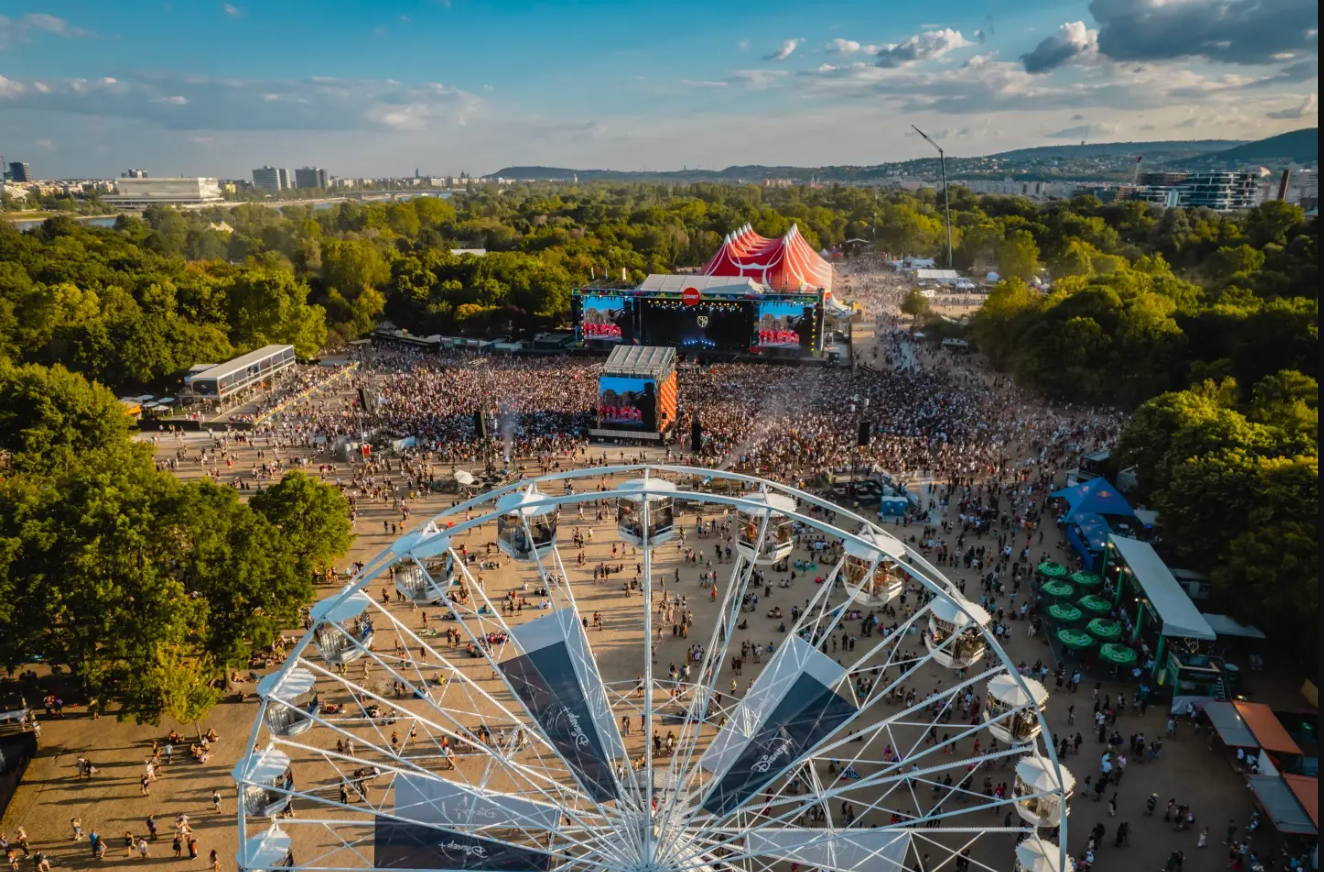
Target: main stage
756,298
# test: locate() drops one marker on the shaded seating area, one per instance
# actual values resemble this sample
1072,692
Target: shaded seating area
1157,616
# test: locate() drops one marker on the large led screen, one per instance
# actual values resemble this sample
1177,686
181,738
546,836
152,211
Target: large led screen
627,402
785,324
604,319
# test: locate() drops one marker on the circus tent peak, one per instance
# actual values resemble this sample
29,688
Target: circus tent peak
785,263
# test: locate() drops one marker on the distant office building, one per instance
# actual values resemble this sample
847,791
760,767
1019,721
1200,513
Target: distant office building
1216,190
165,192
311,177
1221,191
272,179
1161,180
134,174
19,172
1169,197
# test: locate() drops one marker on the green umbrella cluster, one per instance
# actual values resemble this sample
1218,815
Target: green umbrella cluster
1102,628
1086,579
1074,638
1064,613
1096,604
1119,654
1057,589
1049,569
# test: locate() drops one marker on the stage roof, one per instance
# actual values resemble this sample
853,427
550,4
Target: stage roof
785,264
1179,615
1268,730
1097,495
706,284
640,361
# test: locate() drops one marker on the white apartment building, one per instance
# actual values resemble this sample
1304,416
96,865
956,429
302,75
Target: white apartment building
137,193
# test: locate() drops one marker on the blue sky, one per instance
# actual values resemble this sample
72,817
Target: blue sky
216,88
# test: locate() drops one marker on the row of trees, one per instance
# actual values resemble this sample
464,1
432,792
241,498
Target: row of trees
1236,484
148,588
1138,328
151,296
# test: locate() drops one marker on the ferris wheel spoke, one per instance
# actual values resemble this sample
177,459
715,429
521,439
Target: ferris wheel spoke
423,798
571,644
742,571
551,781
546,784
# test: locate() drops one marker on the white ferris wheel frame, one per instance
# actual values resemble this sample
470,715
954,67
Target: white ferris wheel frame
631,837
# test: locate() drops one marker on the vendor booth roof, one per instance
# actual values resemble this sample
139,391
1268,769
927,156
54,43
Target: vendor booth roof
1306,790
1279,800
1097,495
1230,726
1180,617
1268,730
1222,625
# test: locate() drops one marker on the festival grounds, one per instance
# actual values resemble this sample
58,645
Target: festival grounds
51,792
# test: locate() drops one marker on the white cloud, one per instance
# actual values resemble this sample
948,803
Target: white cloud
202,103
846,47
23,28
786,49
924,46
45,145
756,78
1073,41
230,9
1306,109
743,44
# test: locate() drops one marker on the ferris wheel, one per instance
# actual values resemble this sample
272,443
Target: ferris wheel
474,701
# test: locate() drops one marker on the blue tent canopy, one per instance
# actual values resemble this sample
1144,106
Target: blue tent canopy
1093,529
1097,496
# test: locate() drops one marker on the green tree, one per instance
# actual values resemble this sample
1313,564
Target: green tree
179,685
52,419
1018,256
312,517
1272,221
248,575
915,304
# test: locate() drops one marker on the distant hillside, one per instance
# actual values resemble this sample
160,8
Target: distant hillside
1300,146
1114,149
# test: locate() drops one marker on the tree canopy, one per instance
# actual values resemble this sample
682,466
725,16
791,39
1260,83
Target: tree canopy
148,588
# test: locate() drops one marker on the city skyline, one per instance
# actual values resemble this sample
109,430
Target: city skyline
217,89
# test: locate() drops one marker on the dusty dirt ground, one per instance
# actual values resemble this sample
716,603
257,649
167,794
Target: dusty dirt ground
111,803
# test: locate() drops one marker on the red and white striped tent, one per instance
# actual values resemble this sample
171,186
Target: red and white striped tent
786,264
